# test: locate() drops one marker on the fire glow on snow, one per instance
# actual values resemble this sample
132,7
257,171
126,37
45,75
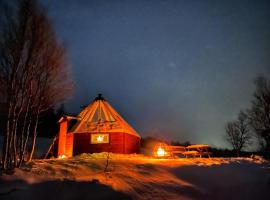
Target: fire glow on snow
143,177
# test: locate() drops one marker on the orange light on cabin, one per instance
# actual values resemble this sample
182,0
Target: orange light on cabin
62,156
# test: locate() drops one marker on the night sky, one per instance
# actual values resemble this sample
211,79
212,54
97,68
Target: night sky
173,69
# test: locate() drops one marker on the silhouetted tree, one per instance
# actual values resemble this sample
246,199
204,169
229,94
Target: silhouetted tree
33,75
238,133
259,114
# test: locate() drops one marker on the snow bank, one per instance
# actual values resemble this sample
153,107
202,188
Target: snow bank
139,177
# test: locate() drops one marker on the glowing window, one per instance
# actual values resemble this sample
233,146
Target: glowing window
99,138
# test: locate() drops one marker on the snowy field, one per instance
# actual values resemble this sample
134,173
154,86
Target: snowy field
139,177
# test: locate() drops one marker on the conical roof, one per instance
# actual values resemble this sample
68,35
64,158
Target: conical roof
99,116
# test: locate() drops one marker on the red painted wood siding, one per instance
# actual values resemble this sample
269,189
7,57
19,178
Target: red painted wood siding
119,143
62,138
69,145
132,144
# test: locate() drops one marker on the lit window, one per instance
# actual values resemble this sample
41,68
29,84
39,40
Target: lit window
99,138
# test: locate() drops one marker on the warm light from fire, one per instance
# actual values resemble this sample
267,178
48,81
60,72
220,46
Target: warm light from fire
161,152
62,156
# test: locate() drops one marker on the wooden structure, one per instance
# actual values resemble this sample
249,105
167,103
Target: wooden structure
98,128
197,150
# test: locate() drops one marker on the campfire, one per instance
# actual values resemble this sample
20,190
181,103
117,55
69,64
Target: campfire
161,150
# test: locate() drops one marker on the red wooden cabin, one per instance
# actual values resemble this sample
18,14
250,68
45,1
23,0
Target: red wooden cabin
98,128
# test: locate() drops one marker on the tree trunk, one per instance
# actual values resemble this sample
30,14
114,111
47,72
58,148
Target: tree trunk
25,143
6,139
10,150
15,141
34,139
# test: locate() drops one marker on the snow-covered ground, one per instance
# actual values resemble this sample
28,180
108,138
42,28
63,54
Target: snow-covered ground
139,177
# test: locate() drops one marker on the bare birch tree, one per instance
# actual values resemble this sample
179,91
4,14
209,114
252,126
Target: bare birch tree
34,73
238,133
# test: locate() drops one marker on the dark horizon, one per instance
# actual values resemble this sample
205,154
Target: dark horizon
178,70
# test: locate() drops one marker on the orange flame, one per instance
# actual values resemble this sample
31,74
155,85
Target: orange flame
161,152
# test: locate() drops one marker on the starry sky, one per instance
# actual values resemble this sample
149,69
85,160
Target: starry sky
174,69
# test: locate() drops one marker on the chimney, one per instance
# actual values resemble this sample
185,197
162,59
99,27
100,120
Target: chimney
62,137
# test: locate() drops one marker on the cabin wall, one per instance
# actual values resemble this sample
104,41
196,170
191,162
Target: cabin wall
132,144
119,143
62,138
69,145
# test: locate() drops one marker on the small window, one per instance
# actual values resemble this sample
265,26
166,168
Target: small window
99,138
